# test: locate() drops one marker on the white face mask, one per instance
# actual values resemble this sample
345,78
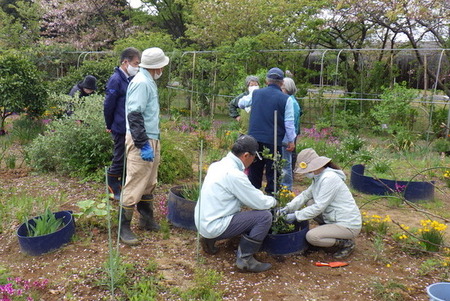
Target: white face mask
132,71
252,88
310,175
156,76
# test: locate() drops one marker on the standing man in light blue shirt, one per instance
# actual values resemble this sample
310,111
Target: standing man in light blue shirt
142,144
218,212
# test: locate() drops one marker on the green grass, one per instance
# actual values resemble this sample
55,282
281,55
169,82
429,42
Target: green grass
21,207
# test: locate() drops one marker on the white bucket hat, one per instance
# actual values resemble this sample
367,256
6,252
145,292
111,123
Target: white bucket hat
153,58
308,160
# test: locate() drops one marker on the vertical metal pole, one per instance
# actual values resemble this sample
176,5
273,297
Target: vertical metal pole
192,90
337,67
275,157
321,69
199,197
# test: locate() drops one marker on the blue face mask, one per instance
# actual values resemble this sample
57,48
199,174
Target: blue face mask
310,175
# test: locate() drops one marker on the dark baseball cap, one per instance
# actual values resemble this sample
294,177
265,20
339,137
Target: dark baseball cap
275,73
246,143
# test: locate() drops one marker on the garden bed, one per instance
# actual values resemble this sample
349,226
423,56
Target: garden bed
74,270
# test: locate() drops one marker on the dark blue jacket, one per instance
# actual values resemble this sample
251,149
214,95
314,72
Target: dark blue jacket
264,102
114,105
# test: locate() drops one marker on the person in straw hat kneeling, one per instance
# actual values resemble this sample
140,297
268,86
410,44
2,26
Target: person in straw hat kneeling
328,201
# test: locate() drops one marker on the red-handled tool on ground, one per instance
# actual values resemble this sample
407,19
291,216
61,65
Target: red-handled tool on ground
334,264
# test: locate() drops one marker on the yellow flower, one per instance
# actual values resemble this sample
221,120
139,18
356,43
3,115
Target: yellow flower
303,165
388,265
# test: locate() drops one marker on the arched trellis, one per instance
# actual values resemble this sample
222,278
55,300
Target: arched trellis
321,85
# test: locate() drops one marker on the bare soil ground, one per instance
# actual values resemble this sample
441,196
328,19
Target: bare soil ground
73,270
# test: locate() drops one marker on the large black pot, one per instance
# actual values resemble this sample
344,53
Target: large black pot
181,210
45,243
287,243
412,191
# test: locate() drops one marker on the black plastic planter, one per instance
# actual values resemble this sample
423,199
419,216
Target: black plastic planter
181,210
288,243
43,244
412,191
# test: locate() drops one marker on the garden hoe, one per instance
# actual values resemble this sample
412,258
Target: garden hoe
334,264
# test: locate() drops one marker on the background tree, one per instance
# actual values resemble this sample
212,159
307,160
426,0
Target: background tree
86,24
19,24
21,88
170,15
420,22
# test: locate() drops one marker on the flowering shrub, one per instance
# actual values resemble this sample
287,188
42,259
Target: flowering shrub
375,224
447,177
432,234
284,196
279,225
319,134
20,289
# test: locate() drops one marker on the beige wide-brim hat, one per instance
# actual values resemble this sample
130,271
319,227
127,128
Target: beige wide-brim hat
153,58
308,160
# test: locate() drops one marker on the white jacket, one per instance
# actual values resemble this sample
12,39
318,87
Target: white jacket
332,199
225,189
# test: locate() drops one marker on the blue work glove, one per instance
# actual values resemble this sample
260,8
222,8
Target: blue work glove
290,218
147,152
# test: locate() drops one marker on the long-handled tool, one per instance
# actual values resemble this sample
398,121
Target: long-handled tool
334,264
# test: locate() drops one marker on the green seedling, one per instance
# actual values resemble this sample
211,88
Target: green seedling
44,224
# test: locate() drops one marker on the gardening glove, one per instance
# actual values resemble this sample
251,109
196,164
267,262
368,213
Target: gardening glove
290,218
282,211
147,152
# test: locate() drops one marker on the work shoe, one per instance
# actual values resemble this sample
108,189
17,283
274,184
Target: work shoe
208,245
345,248
245,260
126,235
146,218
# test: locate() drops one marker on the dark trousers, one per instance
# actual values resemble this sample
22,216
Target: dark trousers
255,224
256,170
116,167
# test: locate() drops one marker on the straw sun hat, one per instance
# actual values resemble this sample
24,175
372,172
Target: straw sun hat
308,160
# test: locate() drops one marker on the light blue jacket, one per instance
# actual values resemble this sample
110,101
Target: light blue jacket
331,197
142,97
225,189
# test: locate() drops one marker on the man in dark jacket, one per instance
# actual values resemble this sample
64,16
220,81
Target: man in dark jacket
114,112
264,103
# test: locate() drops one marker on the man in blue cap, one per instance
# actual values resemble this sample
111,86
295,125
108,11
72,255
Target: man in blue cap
264,103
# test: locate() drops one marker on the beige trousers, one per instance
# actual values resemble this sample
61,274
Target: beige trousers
142,176
326,235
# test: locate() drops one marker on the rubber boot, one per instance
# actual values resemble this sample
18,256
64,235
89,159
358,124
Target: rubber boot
146,218
345,248
245,260
114,185
126,235
208,245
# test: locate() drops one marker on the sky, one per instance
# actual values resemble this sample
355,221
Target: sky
134,3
